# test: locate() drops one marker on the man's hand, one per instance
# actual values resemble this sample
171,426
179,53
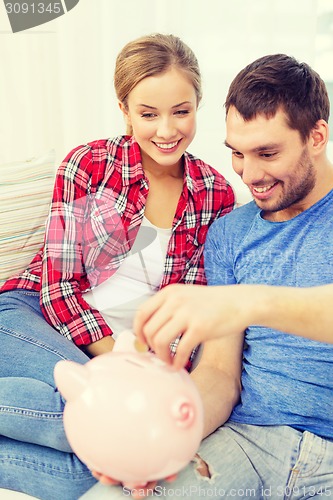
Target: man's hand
201,313
198,313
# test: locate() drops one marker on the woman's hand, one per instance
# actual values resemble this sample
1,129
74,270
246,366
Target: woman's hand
104,479
138,491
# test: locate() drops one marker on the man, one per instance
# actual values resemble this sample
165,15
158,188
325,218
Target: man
268,406
277,250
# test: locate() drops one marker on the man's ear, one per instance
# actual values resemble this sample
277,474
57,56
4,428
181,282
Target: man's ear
319,136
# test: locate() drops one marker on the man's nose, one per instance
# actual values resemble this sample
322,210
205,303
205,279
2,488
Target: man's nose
252,172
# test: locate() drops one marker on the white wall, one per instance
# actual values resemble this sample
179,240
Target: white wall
56,88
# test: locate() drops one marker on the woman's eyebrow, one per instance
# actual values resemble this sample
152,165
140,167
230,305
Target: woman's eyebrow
145,106
175,106
181,104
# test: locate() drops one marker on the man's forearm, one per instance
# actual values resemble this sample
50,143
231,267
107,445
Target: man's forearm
306,312
219,393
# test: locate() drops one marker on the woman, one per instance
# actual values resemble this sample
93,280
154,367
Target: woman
128,216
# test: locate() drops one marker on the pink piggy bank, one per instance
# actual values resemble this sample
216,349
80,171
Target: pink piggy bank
129,415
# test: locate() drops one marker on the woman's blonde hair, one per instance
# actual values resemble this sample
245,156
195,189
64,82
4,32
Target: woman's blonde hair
152,55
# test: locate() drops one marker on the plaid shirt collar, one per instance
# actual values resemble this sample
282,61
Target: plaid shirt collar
132,170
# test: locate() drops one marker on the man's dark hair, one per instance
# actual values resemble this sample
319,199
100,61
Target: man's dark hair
277,82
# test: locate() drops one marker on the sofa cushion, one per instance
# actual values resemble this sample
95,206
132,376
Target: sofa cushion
25,195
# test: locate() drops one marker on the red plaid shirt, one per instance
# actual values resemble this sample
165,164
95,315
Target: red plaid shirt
97,208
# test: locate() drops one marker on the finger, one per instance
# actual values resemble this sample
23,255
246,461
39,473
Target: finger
104,479
171,478
160,345
188,341
156,323
153,305
145,312
108,481
172,329
143,491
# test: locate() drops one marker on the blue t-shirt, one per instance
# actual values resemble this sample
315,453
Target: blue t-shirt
287,379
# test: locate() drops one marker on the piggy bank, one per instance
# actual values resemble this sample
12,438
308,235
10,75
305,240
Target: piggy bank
129,415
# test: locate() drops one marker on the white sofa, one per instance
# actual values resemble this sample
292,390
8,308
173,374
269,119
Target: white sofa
25,195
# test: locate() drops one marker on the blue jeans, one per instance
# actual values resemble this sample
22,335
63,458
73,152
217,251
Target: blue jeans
35,456
247,461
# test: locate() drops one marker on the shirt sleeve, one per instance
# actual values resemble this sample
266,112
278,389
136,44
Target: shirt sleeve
217,256
63,270
221,201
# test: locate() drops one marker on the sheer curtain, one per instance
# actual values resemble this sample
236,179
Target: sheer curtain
56,80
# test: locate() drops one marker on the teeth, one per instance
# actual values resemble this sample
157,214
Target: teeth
263,189
166,146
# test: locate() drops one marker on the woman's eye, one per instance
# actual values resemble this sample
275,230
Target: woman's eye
182,112
148,115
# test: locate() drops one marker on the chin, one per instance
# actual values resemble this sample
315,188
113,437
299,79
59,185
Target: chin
264,205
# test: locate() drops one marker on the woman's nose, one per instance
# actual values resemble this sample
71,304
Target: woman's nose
166,129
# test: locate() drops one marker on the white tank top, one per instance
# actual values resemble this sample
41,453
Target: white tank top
136,279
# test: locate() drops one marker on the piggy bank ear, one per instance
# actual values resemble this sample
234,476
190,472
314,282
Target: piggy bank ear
128,342
125,342
183,412
71,378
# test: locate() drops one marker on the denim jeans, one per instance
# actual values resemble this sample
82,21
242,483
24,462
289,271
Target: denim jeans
35,456
243,461
247,461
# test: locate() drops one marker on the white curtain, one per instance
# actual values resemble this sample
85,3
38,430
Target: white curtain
56,80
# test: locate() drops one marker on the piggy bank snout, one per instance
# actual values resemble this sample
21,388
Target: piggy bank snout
183,412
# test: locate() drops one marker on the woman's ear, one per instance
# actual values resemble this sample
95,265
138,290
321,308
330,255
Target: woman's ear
319,136
123,108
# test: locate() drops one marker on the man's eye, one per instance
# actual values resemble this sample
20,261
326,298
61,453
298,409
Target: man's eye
237,154
267,155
